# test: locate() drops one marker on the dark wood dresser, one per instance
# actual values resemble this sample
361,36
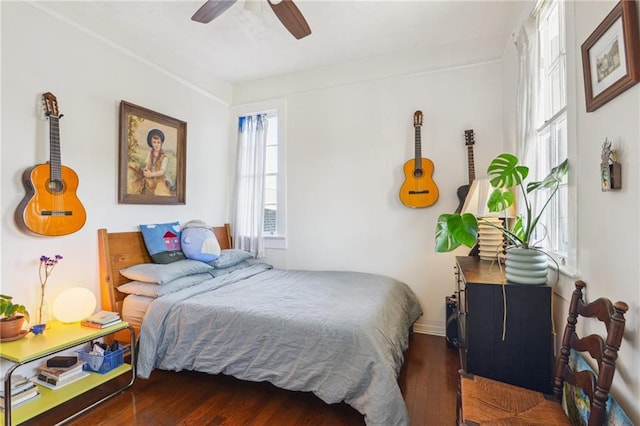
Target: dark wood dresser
524,356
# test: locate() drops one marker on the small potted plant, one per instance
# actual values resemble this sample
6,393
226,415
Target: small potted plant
505,173
12,316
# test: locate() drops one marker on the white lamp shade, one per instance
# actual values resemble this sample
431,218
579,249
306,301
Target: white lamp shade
476,200
74,304
490,238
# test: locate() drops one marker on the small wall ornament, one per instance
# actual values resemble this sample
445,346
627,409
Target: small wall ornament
610,169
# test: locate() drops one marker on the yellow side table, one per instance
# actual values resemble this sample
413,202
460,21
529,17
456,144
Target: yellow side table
59,337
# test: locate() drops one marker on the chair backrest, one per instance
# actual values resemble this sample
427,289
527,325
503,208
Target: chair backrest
603,351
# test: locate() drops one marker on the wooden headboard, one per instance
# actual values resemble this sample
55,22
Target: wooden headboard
117,250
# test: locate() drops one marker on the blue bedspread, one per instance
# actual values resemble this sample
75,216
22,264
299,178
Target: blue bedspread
340,335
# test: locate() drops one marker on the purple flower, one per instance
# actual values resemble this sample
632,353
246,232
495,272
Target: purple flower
49,263
46,267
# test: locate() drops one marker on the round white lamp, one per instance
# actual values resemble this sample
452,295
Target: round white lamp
74,304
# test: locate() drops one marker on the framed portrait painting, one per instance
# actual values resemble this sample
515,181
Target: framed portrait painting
152,157
611,56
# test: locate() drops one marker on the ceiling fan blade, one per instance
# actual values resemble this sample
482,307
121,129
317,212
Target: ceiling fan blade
211,9
291,17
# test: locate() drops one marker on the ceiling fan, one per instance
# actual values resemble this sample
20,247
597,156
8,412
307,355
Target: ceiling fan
286,11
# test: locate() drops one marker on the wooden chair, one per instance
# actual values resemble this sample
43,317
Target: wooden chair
483,401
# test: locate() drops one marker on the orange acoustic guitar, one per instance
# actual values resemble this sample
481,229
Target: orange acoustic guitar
418,189
50,206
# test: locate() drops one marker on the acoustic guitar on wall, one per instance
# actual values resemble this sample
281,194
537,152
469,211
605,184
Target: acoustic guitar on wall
463,190
418,189
51,206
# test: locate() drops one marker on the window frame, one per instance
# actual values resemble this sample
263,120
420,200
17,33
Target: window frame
548,151
267,173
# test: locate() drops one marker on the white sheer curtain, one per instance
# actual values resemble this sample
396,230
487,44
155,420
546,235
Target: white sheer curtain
528,80
249,190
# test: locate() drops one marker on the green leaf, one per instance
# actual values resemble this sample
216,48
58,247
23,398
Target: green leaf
505,172
11,310
553,179
453,230
500,200
8,309
518,229
23,310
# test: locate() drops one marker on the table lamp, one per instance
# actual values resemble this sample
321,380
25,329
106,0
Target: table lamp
74,304
490,239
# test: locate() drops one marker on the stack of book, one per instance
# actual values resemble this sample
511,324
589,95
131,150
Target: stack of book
101,319
22,390
57,377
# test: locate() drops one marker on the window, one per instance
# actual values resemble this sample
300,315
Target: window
272,181
550,147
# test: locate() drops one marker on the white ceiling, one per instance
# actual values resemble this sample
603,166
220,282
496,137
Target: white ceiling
244,43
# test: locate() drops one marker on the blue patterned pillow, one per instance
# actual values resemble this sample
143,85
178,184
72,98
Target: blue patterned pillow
577,402
163,241
199,242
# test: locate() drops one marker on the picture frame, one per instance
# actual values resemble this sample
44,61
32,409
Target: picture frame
145,175
611,56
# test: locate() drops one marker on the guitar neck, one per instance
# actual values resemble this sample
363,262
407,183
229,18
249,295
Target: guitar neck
54,149
418,142
471,164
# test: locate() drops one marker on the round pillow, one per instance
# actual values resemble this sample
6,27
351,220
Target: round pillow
199,242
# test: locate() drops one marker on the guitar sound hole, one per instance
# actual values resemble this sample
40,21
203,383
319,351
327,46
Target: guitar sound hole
55,186
418,173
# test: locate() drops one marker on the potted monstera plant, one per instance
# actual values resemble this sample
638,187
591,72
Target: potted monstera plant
506,174
12,316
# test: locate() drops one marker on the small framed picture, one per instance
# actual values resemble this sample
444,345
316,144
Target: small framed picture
611,56
152,157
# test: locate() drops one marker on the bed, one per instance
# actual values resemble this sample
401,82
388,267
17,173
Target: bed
338,334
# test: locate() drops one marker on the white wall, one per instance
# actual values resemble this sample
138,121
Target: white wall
608,252
346,144
90,78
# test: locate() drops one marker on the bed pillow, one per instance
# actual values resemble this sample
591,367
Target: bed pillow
198,242
217,272
163,241
141,288
163,273
230,257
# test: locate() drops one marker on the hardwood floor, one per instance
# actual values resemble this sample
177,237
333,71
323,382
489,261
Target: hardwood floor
427,380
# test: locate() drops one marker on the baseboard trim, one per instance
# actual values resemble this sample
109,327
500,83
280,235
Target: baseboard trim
429,329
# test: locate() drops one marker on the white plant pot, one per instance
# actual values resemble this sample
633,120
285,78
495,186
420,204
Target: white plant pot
526,266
